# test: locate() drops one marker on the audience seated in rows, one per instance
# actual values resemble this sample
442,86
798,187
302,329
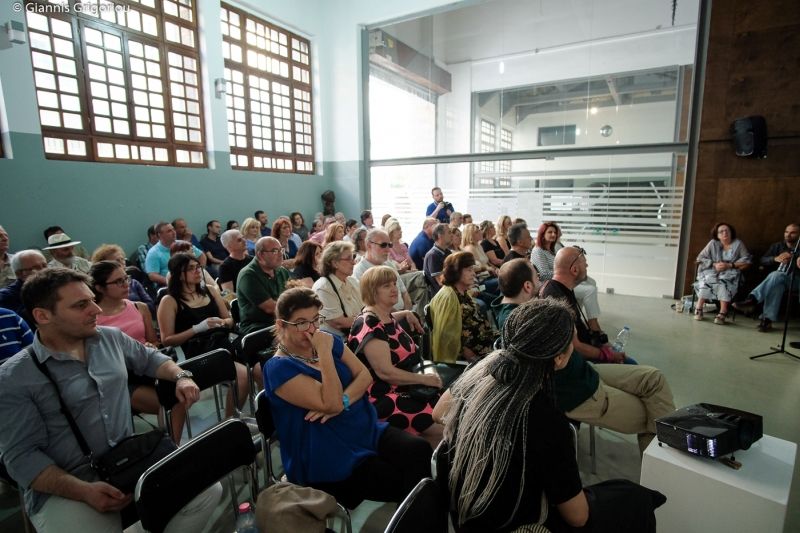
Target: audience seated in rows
456,219
543,256
390,354
350,228
519,283
399,250
337,289
330,436
502,227
185,247
136,291
88,364
434,260
777,261
494,253
259,284
622,397
719,275
183,233
299,225
7,276
251,229
509,459
155,264
79,249
15,334
190,315
360,242
455,238
237,259
460,328
334,232
62,249
306,268
282,230
422,243
212,246
263,222
110,288
519,239
367,220
24,263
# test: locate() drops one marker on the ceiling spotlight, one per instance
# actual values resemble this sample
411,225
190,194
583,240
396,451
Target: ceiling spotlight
593,110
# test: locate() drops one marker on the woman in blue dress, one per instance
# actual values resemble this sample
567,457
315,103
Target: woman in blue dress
329,432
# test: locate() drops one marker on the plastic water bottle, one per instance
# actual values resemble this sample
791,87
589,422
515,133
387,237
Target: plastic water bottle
246,522
622,338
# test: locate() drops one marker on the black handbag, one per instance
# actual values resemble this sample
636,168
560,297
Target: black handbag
208,341
122,465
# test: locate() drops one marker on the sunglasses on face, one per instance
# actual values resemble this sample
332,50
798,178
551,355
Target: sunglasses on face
382,244
581,252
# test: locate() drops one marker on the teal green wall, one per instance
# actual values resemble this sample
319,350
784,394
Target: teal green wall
103,202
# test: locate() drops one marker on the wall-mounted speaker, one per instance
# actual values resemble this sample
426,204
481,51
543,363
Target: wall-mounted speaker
750,136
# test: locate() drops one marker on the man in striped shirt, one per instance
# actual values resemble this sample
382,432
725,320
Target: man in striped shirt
14,334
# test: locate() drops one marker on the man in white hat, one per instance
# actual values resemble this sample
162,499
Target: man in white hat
62,248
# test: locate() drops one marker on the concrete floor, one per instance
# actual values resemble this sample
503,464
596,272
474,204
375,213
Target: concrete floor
703,363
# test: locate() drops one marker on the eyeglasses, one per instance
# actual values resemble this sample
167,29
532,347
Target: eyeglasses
275,251
121,282
382,244
196,268
581,252
304,325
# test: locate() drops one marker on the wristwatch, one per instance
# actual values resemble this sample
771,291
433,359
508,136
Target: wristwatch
183,374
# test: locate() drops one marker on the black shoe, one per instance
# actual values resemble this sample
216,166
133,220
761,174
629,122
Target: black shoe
765,325
746,306
795,344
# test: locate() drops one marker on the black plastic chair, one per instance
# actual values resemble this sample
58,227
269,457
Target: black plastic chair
254,348
449,372
235,314
209,370
167,486
423,511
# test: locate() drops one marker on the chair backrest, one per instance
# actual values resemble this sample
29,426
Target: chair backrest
423,511
235,311
209,369
167,486
266,424
257,343
160,293
429,317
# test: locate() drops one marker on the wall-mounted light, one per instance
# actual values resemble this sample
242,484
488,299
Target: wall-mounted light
15,31
220,87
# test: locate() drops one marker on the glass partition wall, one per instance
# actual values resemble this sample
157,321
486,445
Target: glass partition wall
576,112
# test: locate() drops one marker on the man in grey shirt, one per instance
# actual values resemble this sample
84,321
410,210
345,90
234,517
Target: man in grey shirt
89,364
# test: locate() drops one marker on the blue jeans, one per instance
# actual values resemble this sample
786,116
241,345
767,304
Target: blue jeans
770,293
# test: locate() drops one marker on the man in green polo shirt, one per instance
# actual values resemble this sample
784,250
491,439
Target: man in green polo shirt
259,284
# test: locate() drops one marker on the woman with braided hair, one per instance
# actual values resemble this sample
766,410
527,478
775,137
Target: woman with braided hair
510,452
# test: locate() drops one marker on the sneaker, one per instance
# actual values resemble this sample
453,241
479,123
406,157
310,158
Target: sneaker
765,325
720,319
698,314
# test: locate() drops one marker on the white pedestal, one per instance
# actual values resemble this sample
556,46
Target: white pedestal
705,496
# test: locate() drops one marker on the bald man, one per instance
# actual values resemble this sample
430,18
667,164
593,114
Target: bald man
624,398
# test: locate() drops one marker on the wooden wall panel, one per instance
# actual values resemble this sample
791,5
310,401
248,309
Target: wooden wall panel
752,69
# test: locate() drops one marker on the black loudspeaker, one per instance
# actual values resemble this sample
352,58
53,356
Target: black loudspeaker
750,136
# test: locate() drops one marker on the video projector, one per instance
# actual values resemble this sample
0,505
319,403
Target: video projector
709,430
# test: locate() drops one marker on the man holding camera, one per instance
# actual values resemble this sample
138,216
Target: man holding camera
439,209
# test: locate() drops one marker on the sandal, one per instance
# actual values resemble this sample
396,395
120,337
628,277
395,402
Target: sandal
720,319
698,314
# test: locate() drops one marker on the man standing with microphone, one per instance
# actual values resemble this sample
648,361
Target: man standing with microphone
439,209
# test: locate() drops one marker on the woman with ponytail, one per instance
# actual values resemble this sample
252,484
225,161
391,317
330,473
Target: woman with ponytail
510,452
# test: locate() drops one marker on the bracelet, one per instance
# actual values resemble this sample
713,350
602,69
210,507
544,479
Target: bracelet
346,401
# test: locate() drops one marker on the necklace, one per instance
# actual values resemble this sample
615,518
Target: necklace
313,359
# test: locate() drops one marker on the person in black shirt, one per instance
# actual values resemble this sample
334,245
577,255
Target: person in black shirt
307,261
521,242
236,245
509,452
215,252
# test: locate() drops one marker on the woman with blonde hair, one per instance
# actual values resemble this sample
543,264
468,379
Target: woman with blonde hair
334,232
402,397
251,231
471,242
503,223
399,250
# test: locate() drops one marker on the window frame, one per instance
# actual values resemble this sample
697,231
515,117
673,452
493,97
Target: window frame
89,134
272,156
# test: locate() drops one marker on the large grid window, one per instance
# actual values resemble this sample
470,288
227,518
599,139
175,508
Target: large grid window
118,81
268,75
506,143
